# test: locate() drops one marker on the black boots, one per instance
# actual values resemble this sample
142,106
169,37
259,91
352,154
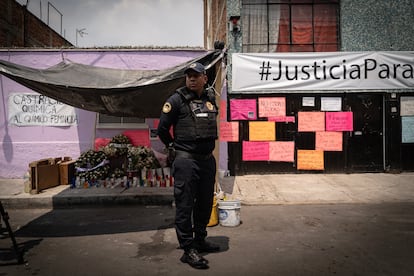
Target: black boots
193,258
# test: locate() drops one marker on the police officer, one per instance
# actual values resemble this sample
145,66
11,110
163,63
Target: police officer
192,112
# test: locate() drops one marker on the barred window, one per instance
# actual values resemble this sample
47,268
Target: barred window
107,121
290,25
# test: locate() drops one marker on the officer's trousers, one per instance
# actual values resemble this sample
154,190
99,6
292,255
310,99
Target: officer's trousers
193,193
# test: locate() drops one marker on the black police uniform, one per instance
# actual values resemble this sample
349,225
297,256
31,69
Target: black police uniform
194,168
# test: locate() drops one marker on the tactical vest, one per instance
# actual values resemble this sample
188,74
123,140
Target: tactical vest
199,121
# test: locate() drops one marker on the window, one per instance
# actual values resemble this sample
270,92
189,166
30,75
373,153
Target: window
107,121
290,25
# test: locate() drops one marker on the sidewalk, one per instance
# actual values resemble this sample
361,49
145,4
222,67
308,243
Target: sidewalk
324,188
249,189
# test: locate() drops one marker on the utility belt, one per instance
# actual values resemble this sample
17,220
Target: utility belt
189,155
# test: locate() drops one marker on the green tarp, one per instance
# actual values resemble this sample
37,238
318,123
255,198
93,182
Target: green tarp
116,92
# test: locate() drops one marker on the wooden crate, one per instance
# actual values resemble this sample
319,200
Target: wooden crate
44,174
66,171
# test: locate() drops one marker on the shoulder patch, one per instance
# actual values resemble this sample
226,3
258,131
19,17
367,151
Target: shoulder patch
166,108
209,106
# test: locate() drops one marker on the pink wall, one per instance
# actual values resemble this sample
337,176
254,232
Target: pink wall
22,145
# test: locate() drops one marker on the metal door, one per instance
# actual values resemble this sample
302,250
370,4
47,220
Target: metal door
365,143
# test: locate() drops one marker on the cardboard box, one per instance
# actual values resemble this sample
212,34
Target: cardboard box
44,174
66,171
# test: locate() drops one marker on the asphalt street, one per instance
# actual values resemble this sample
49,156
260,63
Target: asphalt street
317,239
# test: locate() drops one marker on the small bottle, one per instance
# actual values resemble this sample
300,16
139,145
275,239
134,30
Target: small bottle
82,182
77,182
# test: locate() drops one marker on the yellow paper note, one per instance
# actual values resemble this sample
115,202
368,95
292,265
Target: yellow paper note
310,160
262,131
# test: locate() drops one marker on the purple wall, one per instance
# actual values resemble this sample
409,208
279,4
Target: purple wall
22,145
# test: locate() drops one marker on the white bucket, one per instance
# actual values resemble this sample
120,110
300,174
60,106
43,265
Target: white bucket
221,174
229,212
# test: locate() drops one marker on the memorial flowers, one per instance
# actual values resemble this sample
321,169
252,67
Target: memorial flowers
92,165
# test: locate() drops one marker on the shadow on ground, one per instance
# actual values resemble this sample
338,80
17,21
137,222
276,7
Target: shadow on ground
100,221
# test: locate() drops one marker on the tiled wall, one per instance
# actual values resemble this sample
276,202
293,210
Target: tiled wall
369,25
377,25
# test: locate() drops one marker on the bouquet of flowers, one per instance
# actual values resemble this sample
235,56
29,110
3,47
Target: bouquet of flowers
120,143
92,165
116,152
141,157
118,173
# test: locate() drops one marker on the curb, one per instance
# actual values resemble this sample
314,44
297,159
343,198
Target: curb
89,198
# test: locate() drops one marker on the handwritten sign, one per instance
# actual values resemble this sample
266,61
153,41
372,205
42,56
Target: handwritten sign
331,103
407,106
272,107
229,131
339,121
243,109
255,151
283,151
407,129
284,119
262,131
310,160
328,141
308,101
38,110
311,121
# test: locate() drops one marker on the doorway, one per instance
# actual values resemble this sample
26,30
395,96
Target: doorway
365,143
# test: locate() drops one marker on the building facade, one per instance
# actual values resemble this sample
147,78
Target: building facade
381,136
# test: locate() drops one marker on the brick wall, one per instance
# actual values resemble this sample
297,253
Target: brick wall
20,28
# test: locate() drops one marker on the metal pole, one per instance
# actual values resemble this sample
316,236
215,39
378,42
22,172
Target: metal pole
5,217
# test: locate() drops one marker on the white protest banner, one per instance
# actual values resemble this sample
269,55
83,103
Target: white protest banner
38,110
269,72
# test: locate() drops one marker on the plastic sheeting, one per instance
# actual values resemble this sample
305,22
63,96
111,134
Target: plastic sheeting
116,92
